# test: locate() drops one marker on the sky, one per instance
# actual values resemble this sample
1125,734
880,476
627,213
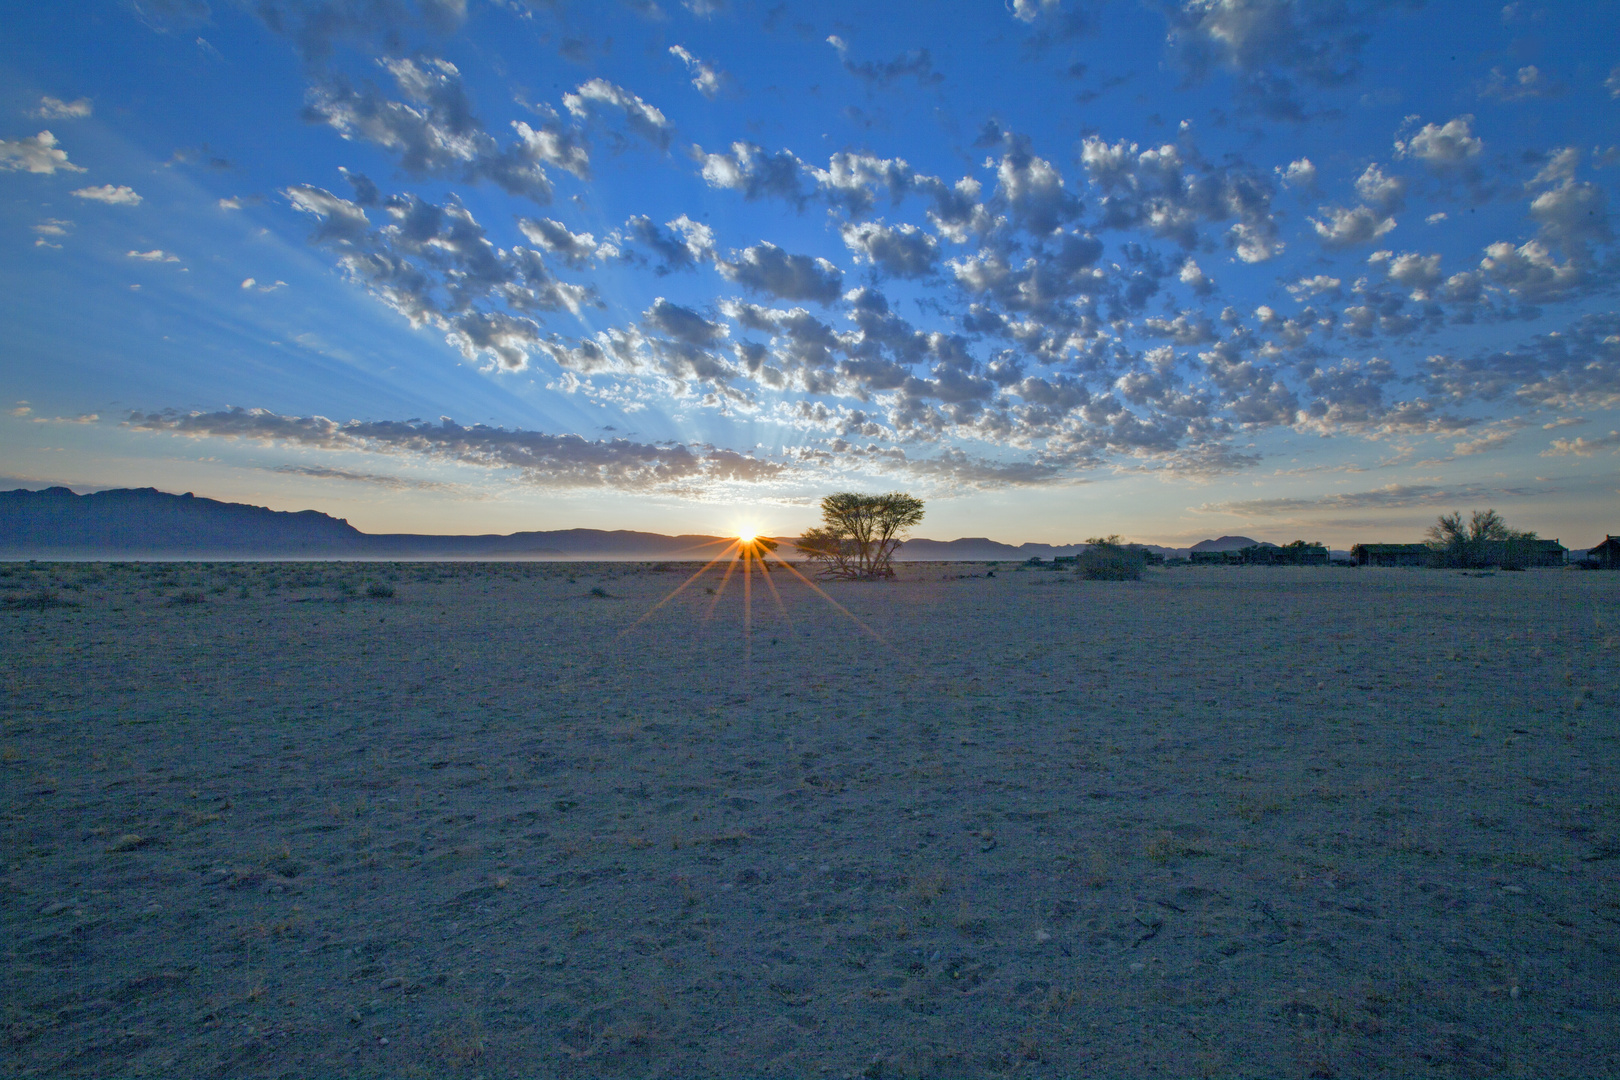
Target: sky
1061,268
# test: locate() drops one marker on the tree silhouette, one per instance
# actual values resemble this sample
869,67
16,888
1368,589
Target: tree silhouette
859,533
1471,546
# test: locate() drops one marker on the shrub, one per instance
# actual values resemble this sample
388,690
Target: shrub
1106,558
378,590
185,597
40,599
860,534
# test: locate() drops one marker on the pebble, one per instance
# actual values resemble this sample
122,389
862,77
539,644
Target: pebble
128,842
393,983
1516,890
1043,935
55,907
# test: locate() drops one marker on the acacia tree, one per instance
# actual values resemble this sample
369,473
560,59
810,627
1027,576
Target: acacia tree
1455,544
859,533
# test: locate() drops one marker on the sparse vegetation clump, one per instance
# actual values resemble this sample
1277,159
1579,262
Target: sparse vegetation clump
859,534
1485,541
38,600
380,590
1107,558
186,597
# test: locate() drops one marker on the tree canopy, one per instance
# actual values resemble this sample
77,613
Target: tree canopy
859,533
1456,544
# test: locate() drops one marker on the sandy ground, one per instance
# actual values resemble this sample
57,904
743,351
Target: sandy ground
1221,821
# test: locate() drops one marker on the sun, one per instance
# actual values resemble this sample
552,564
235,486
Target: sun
745,537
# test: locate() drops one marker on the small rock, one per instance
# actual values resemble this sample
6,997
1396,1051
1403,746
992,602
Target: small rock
1043,935
1516,890
392,984
128,842
1513,993
55,907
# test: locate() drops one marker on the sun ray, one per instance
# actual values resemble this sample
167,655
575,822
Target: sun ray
819,592
731,568
765,572
676,592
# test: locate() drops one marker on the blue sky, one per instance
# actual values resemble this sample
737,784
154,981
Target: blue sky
1061,268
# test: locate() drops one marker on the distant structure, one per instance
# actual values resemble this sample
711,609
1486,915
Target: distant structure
1391,554
1495,553
1607,554
1263,553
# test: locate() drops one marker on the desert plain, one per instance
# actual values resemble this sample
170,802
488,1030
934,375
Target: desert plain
256,821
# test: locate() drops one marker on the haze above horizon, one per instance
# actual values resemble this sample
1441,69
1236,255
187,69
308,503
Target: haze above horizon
1059,267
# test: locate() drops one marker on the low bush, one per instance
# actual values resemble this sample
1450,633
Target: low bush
1106,558
378,590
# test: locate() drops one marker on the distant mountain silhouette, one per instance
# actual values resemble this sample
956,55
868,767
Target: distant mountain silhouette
147,523
1225,543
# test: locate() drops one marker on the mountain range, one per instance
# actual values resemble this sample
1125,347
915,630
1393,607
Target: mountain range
147,523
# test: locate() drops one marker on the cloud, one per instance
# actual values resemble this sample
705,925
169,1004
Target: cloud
1299,173
539,459
1528,82
35,154
1574,369
393,483
752,171
1386,193
435,133
1441,147
902,251
53,227
315,26
1612,83
1341,227
640,117
1388,497
56,109
155,255
1168,191
768,269
1270,45
917,64
1312,286
435,265
576,249
704,78
684,245
1582,446
683,324
1410,270
1529,271
112,196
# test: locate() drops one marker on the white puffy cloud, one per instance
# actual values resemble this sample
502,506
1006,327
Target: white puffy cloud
1529,271
1410,270
1170,193
752,171
1527,82
1581,446
1269,44
1299,173
643,119
1345,227
1386,193
1311,286
768,269
109,194
684,245
576,249
435,133
155,255
1443,146
704,78
35,154
56,109
903,251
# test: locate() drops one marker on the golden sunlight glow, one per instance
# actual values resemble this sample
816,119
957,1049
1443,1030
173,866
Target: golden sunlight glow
745,537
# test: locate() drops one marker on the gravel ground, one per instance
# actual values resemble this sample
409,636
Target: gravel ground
1221,821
